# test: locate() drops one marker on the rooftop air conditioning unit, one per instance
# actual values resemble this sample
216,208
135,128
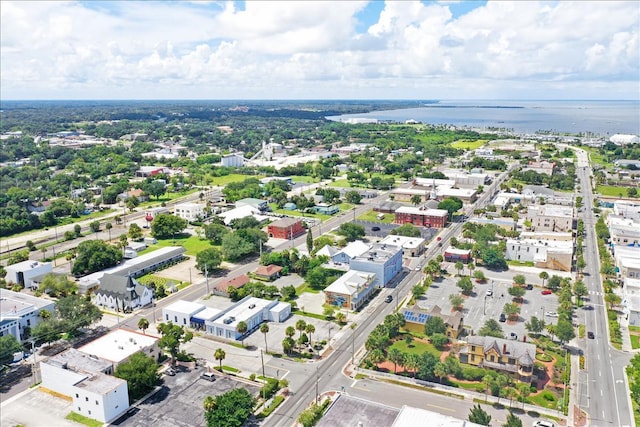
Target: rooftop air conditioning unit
252,306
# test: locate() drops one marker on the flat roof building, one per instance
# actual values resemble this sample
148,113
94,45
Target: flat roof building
19,311
119,345
385,261
550,217
24,273
411,246
181,312
432,218
549,254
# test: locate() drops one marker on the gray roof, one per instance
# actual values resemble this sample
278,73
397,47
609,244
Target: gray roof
523,352
537,190
123,287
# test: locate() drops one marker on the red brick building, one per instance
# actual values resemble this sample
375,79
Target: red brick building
434,218
286,228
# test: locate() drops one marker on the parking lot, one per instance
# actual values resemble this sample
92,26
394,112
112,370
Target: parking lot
179,401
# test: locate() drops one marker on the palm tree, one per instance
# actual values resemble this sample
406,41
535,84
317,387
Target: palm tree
143,324
290,331
242,328
108,226
510,393
219,355
416,199
264,328
376,356
501,382
471,266
341,317
525,391
411,362
396,357
310,329
209,404
487,381
544,276
301,325
459,266
440,371
287,344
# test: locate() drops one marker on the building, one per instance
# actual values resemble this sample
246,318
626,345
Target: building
119,345
346,254
136,192
550,218
351,290
627,260
416,317
85,381
433,218
406,194
466,179
258,204
622,139
627,209
625,234
181,312
411,417
534,191
452,254
510,356
234,160
631,300
132,249
432,182
549,254
222,288
250,310
147,171
190,211
286,228
122,293
267,272
466,195
411,246
26,272
325,209
542,167
506,223
385,261
20,312
242,212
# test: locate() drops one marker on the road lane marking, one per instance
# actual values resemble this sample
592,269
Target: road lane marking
443,408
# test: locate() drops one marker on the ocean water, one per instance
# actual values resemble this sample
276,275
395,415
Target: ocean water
525,117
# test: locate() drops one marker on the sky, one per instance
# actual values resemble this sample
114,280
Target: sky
320,50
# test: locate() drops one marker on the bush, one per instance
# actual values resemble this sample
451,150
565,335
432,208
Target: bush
270,388
548,396
472,373
252,377
274,404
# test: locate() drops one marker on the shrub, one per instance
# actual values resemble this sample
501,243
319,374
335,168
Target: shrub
548,396
252,377
270,388
472,373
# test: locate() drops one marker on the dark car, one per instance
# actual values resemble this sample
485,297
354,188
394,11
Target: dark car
389,298
590,335
375,228
503,318
529,287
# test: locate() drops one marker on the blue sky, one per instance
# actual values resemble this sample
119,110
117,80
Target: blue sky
320,50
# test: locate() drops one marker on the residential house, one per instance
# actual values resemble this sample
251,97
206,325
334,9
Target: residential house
325,209
20,312
222,288
286,228
136,192
267,272
416,317
510,356
351,290
124,293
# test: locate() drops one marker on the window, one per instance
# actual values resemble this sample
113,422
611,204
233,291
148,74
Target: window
473,348
175,319
184,320
79,409
89,412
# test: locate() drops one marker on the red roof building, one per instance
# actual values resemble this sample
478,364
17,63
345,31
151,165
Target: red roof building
286,228
237,282
268,272
433,218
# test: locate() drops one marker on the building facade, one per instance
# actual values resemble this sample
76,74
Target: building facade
20,312
286,228
509,356
24,273
549,254
416,317
122,293
190,211
432,218
351,290
550,218
385,261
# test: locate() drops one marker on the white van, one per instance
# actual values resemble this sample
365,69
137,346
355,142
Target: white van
209,376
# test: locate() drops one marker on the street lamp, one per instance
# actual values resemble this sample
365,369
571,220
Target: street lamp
484,307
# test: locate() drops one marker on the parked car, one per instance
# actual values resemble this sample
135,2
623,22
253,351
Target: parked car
171,372
529,287
489,293
546,292
209,376
503,317
375,228
513,336
388,298
591,335
541,423
551,314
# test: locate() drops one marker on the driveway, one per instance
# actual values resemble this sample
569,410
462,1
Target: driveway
36,408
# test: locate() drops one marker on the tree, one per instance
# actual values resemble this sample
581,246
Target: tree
352,197
123,241
632,192
459,266
310,329
564,330
135,232
501,382
351,231
612,299
165,226
408,230
287,344
141,374
491,328
487,381
493,258
316,277
554,282
544,276
209,404
301,325
309,241
172,337
143,324
219,355
519,279
77,229
512,421
76,311
8,345
534,325
457,302
517,292
479,416
341,318
57,285
466,285
242,329
108,226
264,328
244,222
231,409
451,205
94,226
580,289
416,199
215,232
396,357
95,255
479,276
156,188
512,310
208,260
525,390
439,340
440,371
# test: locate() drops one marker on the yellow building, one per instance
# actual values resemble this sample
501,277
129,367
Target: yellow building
415,318
509,356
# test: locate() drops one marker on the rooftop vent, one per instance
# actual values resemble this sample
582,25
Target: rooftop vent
252,306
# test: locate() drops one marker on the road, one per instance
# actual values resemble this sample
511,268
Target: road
606,400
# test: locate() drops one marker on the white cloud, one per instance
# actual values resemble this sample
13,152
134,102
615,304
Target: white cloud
310,49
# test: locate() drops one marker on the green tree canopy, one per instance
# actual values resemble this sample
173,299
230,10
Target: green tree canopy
435,325
491,328
466,285
231,409
172,337
215,232
8,345
141,374
351,231
165,226
57,285
408,230
479,416
451,205
95,255
208,259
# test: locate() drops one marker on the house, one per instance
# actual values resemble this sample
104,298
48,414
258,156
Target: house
234,160
349,252
26,272
180,312
513,357
20,312
119,345
222,287
550,218
286,228
416,317
250,310
452,254
267,272
385,261
325,209
290,206
432,218
258,204
38,207
351,290
190,211
411,246
122,293
132,249
548,254
87,382
136,192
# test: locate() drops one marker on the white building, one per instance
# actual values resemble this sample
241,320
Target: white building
122,293
181,312
85,380
190,211
242,212
24,273
625,234
234,160
19,311
550,254
627,260
467,179
622,139
119,345
411,246
550,217
631,300
627,209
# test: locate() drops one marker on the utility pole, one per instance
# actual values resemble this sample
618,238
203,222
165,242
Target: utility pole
263,375
206,277
353,342
317,379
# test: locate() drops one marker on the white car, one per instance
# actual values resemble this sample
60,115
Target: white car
541,423
489,293
551,314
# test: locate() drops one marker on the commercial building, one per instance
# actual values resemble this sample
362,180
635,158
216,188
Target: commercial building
234,160
549,254
242,212
466,179
416,317
411,246
27,273
346,254
627,260
406,194
452,254
122,293
250,310
385,261
190,211
433,218
20,312
286,228
467,195
550,218
513,357
325,209
180,312
543,167
627,209
631,300
259,204
86,381
411,417
119,345
351,290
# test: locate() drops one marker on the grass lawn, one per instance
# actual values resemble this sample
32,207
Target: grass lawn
166,197
306,288
596,157
303,178
550,402
635,341
346,206
74,416
344,183
373,216
233,177
68,220
475,386
612,191
521,263
192,244
416,347
468,145
322,217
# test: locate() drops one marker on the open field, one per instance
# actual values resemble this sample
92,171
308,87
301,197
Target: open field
373,217
192,244
612,191
233,177
464,144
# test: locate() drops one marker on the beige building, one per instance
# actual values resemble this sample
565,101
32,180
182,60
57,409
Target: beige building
550,218
627,260
550,254
514,357
415,318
